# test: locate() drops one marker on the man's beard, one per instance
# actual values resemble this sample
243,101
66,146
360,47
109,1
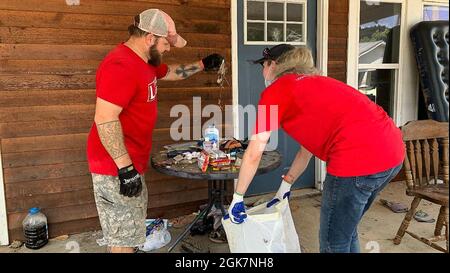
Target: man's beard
155,56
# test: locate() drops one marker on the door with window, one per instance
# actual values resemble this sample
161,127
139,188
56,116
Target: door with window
261,24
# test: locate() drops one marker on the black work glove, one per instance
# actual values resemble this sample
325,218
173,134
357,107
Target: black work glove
212,62
130,181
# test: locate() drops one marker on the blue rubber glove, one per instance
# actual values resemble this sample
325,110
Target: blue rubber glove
236,211
283,192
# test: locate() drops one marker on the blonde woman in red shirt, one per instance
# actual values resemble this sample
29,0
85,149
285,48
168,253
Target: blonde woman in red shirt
359,142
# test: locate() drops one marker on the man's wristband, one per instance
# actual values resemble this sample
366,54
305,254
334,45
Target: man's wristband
126,169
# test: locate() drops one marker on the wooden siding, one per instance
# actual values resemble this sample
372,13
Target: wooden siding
337,39
49,53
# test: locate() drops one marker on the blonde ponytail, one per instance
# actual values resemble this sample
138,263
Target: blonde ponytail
298,61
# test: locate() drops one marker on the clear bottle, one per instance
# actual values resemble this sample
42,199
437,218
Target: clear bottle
35,229
212,133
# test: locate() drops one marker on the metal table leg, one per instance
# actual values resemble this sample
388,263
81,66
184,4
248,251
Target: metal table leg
216,192
220,199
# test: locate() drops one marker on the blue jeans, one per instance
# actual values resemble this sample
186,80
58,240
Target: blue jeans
344,202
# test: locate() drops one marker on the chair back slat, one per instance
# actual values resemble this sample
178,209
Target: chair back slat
411,160
408,173
445,159
435,155
418,154
426,159
426,145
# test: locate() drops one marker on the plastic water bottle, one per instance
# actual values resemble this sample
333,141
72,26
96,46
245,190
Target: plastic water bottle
35,229
212,133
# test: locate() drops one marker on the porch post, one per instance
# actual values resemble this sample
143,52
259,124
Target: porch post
234,71
4,239
322,65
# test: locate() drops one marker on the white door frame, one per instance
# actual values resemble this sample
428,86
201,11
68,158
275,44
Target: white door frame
4,238
322,63
406,99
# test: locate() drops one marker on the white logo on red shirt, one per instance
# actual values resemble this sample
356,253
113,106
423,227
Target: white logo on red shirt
152,90
299,78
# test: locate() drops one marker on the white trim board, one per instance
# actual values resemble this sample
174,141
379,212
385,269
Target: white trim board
234,66
234,70
322,65
4,238
443,3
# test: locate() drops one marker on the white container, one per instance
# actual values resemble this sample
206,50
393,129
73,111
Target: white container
212,133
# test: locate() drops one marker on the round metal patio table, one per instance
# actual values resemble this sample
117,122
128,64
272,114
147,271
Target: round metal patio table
217,180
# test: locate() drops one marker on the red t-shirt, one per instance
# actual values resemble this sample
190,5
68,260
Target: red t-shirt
333,121
124,79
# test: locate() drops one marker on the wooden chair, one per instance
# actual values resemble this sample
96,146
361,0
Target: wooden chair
426,152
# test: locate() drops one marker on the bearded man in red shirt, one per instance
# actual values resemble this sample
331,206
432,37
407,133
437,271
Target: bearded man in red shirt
120,139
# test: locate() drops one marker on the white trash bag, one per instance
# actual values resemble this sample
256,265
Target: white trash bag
156,240
266,230
157,235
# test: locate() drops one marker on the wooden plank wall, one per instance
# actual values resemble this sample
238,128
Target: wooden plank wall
337,39
49,53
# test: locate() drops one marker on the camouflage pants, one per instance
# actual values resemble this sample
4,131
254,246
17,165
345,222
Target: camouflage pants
122,218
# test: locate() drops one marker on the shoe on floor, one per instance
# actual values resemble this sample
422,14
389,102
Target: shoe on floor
394,206
218,236
422,216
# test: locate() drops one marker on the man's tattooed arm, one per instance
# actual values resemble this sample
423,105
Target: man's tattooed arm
182,71
111,136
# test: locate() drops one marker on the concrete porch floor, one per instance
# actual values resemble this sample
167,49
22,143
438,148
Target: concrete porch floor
377,228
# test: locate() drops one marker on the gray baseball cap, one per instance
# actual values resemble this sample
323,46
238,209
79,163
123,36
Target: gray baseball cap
159,23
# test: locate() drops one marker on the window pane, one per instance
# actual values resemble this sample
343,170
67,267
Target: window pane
255,31
275,11
275,32
434,13
255,10
379,33
295,12
379,86
294,33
